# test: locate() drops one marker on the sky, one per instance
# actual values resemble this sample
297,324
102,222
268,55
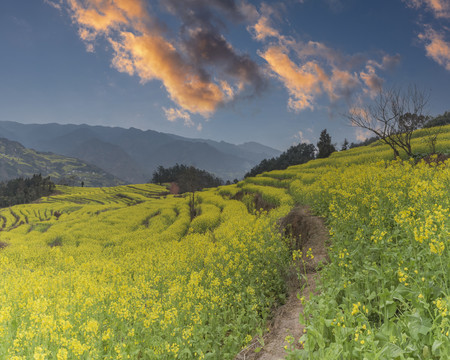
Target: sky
275,72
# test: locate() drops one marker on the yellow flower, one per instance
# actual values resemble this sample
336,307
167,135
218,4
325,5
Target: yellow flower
62,354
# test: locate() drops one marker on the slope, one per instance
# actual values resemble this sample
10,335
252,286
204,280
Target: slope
126,272
18,161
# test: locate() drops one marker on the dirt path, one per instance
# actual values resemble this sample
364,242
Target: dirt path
285,321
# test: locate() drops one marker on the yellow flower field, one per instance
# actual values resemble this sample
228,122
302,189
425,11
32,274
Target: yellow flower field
125,273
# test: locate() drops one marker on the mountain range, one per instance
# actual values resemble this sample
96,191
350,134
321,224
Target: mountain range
17,161
132,154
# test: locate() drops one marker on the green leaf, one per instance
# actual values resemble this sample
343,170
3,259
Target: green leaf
436,345
391,351
418,326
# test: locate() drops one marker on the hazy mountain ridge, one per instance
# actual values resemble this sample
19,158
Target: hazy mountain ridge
18,161
133,154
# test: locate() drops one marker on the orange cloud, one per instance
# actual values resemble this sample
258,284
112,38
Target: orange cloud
174,114
302,82
372,81
141,48
437,48
440,8
152,57
311,69
263,29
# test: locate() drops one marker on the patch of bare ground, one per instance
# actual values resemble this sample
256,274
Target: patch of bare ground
307,232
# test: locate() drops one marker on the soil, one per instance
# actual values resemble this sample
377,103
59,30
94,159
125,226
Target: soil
307,231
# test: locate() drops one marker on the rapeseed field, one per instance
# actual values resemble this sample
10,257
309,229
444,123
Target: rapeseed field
125,273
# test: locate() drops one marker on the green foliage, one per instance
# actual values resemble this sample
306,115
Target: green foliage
17,161
21,191
366,142
324,145
385,290
440,120
188,178
298,154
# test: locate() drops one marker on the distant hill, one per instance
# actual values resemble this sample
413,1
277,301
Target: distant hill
133,154
18,161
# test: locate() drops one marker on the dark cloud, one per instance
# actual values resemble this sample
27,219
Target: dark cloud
210,48
201,36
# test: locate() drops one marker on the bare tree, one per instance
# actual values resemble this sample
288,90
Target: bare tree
393,116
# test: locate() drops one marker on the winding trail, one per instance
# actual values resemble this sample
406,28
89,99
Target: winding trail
285,321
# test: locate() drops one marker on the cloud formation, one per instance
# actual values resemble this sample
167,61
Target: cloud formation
311,69
439,8
436,47
199,69
302,138
173,115
53,4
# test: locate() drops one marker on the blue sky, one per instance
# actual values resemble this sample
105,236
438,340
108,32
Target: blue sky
276,72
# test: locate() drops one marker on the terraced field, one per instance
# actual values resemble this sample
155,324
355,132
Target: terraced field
124,272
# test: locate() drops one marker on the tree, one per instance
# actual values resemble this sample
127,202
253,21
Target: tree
324,145
433,128
187,179
345,145
440,120
295,155
393,116
365,142
21,191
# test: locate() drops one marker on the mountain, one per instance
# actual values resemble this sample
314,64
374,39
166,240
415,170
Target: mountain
18,161
133,154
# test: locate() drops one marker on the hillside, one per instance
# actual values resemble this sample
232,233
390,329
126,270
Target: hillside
133,154
18,161
126,272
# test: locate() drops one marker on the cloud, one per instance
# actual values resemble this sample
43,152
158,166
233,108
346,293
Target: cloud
362,134
211,48
302,82
173,115
300,136
263,28
390,62
200,70
436,47
439,8
204,44
311,69
372,81
54,4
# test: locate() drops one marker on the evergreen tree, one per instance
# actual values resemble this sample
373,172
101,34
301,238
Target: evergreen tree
295,155
345,145
324,145
440,120
22,191
188,178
